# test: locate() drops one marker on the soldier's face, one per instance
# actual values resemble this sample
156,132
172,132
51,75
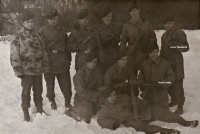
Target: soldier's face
84,22
92,64
107,19
112,97
54,21
123,62
29,24
169,25
154,54
135,14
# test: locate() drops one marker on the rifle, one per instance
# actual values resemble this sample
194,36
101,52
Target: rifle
53,43
133,97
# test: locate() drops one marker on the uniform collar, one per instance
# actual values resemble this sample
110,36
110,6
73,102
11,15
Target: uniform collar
85,28
138,22
119,69
170,32
56,27
157,62
23,29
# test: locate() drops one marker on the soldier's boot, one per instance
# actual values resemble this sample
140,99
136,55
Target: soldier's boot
53,105
68,110
169,131
26,115
40,110
179,109
171,104
192,124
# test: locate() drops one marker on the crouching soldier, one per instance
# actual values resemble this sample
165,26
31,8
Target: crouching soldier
29,60
158,72
174,42
120,73
86,82
115,112
59,58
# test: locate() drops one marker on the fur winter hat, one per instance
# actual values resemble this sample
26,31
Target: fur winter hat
134,5
82,14
105,12
52,13
27,15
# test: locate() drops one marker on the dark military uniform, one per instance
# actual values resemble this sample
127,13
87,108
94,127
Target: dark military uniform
29,60
120,112
59,59
116,75
159,72
109,39
75,44
86,83
141,33
174,42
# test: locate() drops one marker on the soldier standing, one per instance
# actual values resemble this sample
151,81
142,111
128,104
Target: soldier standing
109,34
59,58
29,60
87,80
138,33
174,42
81,39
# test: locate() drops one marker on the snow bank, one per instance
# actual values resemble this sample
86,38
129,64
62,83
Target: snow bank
11,117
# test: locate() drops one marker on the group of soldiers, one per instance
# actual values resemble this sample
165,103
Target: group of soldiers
115,64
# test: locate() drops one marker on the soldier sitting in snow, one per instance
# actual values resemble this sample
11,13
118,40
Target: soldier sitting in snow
29,60
115,112
86,82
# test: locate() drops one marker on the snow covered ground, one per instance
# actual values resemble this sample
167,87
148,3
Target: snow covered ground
11,116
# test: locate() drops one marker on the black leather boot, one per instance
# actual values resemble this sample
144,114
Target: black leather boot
26,115
179,109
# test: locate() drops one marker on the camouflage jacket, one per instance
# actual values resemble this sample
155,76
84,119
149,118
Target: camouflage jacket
27,53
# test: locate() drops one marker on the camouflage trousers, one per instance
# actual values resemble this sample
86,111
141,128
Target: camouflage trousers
34,82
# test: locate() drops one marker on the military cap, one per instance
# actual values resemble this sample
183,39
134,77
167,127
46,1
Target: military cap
152,47
134,5
52,13
90,56
82,14
121,54
105,12
168,19
27,15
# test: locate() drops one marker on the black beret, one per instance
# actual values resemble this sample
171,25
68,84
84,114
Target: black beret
134,5
168,19
90,56
152,47
27,15
105,12
106,92
121,54
82,14
52,13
